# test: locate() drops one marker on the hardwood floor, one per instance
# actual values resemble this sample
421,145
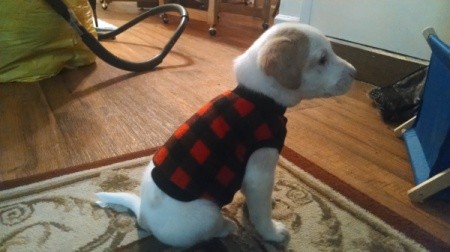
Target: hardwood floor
97,112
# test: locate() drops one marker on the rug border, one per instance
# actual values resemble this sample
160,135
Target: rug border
403,225
59,181
8,184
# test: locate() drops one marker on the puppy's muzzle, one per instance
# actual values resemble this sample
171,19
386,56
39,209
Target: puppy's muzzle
351,71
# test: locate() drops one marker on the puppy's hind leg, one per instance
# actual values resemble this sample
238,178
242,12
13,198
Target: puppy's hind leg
128,200
224,227
183,224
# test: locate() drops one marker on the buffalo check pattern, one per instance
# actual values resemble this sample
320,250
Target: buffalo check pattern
207,155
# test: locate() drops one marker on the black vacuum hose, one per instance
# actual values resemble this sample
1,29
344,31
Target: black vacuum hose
110,58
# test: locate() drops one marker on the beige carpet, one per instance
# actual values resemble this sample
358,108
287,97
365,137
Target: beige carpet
60,215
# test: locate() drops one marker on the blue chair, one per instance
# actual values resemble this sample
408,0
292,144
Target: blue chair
428,140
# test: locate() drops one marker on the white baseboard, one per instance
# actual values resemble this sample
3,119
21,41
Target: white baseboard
285,18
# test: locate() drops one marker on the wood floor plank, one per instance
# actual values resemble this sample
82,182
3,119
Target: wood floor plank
363,140
358,123
30,134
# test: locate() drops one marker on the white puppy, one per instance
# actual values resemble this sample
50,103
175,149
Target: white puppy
288,63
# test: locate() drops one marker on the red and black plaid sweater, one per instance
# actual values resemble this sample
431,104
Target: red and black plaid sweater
207,155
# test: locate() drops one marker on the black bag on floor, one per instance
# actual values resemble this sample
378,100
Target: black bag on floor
399,102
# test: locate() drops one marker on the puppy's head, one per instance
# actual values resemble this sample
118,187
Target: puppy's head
291,62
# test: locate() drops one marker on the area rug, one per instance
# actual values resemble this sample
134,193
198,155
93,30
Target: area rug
59,214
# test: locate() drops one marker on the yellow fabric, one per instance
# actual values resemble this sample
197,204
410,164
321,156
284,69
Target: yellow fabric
37,43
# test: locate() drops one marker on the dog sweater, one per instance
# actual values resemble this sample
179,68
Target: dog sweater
207,155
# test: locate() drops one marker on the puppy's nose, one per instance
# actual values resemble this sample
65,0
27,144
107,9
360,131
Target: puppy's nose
352,71
349,67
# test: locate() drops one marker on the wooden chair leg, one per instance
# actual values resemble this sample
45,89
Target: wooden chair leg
431,186
266,13
277,8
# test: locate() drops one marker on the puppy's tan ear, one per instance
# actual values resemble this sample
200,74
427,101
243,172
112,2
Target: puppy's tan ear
283,57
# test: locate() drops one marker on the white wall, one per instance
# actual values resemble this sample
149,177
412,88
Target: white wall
392,25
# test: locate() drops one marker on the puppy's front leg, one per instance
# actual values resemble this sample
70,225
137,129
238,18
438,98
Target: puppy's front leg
257,188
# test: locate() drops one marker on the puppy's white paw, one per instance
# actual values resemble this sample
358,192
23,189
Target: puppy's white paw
228,227
276,232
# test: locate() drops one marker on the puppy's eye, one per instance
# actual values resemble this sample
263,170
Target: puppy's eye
323,60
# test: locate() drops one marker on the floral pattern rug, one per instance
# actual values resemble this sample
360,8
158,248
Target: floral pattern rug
60,215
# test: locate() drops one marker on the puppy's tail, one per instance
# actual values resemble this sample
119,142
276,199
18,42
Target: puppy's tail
128,200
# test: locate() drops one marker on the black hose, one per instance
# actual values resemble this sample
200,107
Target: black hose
110,58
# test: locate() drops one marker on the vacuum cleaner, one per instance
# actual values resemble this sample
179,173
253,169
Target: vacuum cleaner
95,46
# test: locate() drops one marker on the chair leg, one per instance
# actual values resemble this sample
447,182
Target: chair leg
93,4
277,8
213,15
398,132
433,185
